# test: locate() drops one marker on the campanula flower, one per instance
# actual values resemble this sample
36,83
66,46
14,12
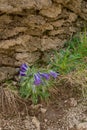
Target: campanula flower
23,69
22,73
53,74
45,75
37,79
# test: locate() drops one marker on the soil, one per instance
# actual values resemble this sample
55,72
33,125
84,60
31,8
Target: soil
64,112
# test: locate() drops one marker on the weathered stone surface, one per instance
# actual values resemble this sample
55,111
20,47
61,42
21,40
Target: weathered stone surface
29,58
6,72
72,17
7,44
52,12
33,20
56,32
48,43
58,23
43,4
82,126
5,19
7,33
30,28
7,60
11,6
76,6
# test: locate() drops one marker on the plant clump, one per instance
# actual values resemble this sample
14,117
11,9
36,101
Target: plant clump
35,83
73,55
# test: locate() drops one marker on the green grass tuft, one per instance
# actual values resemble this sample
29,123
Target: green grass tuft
72,56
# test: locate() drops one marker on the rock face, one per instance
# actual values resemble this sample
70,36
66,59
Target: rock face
28,28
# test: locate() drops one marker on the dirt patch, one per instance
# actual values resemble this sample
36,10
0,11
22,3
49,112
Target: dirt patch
65,112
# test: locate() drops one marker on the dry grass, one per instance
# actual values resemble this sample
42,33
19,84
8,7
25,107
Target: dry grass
79,79
76,80
8,101
11,102
73,83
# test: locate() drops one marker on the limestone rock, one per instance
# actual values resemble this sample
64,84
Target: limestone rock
7,60
6,44
72,17
5,19
29,58
75,6
58,23
58,1
48,43
52,12
46,26
11,6
30,28
72,4
43,4
32,20
82,126
7,33
6,72
56,32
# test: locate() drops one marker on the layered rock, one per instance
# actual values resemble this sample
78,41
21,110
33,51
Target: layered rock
29,28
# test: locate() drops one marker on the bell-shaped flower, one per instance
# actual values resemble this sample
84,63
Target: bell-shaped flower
37,79
23,69
22,73
54,74
45,75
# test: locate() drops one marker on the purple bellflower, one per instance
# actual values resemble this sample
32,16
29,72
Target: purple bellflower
37,79
45,75
22,73
54,74
23,69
